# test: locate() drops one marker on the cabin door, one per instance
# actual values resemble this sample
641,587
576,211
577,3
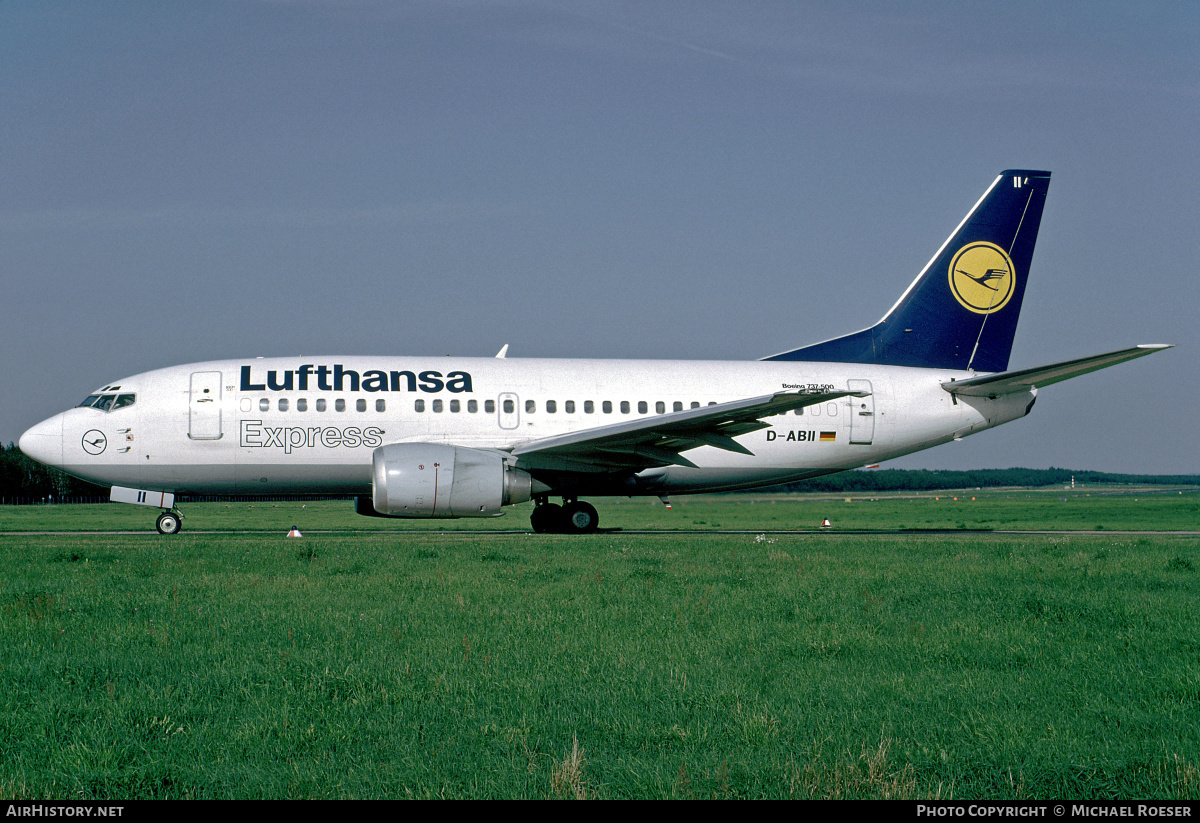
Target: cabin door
862,413
204,406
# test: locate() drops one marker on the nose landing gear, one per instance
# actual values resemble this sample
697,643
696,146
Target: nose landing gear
572,517
169,522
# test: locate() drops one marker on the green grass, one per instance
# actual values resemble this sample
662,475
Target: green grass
1103,508
416,663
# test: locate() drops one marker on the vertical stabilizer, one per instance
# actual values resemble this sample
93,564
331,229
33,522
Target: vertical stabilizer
961,311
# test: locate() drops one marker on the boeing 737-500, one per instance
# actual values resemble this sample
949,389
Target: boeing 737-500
464,437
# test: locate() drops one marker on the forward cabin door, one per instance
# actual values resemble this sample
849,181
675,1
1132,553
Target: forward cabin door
862,413
204,406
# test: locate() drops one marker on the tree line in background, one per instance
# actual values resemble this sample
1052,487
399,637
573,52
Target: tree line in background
929,480
23,480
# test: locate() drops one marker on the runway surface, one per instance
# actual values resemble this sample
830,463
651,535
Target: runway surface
645,532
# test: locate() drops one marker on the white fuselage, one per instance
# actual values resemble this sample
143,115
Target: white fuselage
309,425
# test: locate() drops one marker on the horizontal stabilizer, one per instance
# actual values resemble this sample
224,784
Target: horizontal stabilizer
992,385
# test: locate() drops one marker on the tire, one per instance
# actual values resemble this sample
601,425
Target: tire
168,523
580,518
547,518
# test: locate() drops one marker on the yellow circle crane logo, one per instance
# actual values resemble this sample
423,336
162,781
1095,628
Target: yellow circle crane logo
981,277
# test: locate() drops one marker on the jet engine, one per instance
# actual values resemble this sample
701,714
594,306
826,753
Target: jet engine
434,480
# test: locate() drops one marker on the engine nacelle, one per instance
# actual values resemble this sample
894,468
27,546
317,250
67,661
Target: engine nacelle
433,480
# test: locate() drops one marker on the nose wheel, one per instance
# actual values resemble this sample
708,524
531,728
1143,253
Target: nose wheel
572,517
169,523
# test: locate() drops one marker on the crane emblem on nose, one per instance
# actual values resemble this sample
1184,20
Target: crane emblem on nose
94,442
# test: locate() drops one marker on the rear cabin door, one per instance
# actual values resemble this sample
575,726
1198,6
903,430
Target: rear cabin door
204,406
862,413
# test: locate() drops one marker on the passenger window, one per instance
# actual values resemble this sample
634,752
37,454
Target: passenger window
489,406
437,406
283,404
473,406
551,407
695,405
339,405
642,407
569,406
419,405
530,406
302,405
606,407
264,405
676,406
509,408
589,407
800,412
321,405
454,407
660,407
360,405
624,407
380,405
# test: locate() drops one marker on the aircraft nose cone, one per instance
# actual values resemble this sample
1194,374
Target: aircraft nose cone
43,442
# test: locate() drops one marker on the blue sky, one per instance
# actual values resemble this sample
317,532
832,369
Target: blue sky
189,181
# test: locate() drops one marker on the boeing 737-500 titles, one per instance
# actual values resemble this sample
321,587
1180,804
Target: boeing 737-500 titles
464,437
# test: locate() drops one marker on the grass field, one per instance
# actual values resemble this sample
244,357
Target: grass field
405,661
1101,508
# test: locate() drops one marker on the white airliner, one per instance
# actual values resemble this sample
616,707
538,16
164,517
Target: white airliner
463,437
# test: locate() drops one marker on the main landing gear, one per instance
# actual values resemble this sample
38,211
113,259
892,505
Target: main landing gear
169,522
572,517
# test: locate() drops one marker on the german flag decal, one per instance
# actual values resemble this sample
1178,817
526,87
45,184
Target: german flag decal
828,437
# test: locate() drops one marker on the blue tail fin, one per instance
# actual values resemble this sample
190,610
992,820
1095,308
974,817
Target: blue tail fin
961,311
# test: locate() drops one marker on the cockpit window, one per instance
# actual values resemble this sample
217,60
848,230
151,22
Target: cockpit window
108,402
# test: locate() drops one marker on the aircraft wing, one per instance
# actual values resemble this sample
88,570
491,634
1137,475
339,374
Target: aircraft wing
658,440
993,385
